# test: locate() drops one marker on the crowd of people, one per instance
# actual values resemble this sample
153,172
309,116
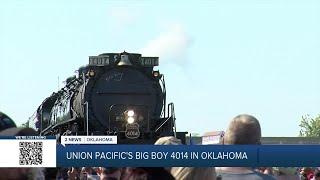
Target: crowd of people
243,130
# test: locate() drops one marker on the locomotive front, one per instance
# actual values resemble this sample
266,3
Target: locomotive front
115,94
121,96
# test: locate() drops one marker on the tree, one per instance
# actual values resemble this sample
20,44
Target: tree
310,127
24,125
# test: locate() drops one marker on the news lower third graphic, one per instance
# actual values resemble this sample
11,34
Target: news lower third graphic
93,151
153,155
188,155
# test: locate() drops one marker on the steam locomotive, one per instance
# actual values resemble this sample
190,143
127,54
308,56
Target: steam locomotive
115,94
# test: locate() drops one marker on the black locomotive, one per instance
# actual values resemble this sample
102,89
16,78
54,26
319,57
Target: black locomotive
115,94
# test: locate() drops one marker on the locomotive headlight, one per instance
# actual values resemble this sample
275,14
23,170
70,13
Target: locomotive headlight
130,117
130,120
91,73
156,73
130,113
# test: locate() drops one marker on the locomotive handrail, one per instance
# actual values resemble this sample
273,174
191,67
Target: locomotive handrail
164,91
75,112
171,107
67,132
173,119
87,117
160,126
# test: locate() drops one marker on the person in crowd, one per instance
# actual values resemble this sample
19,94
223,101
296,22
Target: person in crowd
62,173
89,173
268,170
243,129
146,173
190,173
186,173
74,173
285,173
265,170
317,175
87,170
306,173
108,173
168,140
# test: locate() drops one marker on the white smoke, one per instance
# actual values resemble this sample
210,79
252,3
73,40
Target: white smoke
171,45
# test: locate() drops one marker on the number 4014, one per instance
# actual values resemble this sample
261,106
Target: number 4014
179,155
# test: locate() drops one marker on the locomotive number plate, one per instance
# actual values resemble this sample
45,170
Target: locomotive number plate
149,61
132,131
99,60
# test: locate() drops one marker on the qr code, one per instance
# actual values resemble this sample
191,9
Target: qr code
30,153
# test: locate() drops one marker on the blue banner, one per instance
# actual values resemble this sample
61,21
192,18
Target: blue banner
187,155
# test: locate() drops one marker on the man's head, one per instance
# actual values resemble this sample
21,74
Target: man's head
6,122
189,173
243,129
109,173
168,140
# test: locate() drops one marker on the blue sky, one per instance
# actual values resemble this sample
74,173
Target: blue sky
219,58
